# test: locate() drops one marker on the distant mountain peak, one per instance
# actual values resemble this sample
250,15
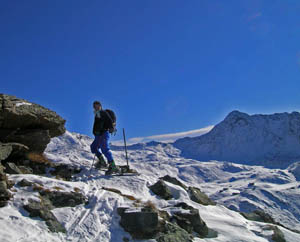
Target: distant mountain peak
271,140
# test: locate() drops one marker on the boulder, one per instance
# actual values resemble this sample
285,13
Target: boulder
65,171
18,149
11,168
174,181
173,233
38,209
197,196
160,189
28,123
63,199
191,221
5,150
140,224
260,216
4,194
24,183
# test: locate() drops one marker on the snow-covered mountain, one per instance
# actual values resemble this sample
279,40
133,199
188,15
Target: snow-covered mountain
269,140
234,187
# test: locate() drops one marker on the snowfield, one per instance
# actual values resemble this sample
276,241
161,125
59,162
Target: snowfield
234,187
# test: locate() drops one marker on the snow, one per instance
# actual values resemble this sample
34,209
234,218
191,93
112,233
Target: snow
268,140
230,185
22,103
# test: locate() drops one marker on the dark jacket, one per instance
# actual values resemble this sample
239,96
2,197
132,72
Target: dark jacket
101,124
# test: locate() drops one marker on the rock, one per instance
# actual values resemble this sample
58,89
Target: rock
24,183
37,209
174,181
141,225
63,199
173,233
50,200
199,197
277,236
18,150
28,123
295,170
5,151
25,170
191,222
184,206
4,193
35,139
64,171
260,216
160,189
11,168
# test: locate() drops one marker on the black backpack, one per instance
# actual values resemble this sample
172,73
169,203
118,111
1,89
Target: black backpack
112,121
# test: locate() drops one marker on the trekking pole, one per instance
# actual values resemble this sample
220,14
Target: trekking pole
125,147
92,164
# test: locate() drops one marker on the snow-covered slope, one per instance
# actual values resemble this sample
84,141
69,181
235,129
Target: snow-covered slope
269,140
236,186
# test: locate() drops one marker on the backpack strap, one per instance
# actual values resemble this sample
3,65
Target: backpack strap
108,115
114,131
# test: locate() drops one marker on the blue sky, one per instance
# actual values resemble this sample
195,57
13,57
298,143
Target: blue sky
164,66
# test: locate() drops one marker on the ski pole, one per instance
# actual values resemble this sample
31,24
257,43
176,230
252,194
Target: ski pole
125,146
92,164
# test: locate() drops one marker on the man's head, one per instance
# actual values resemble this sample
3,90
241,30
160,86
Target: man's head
97,105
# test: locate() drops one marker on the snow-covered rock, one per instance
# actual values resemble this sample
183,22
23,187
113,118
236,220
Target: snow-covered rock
269,140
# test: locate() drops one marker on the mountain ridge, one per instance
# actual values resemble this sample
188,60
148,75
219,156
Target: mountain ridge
269,140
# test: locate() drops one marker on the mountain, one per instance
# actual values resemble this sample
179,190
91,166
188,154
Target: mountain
269,140
235,188
58,195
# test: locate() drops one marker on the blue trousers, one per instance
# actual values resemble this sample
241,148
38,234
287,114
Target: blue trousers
101,142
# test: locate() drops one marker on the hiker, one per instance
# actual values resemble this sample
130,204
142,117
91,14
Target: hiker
102,135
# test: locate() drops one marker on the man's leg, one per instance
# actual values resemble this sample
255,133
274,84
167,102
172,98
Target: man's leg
95,150
96,145
104,145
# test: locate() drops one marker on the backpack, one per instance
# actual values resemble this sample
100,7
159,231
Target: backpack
112,121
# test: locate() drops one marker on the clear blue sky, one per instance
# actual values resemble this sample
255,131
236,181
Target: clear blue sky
163,65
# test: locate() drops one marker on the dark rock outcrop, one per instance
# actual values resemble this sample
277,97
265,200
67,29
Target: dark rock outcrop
173,233
140,224
4,193
27,123
11,168
38,209
260,216
174,181
63,199
160,189
191,221
24,183
50,200
199,197
5,151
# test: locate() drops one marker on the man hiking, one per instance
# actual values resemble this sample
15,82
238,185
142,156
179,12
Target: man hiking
101,131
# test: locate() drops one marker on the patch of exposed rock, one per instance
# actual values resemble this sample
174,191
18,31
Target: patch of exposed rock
195,193
50,200
160,189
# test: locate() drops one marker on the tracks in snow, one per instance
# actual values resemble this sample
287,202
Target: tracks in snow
92,222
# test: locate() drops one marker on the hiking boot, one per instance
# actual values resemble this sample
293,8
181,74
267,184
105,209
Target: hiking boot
101,162
112,169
